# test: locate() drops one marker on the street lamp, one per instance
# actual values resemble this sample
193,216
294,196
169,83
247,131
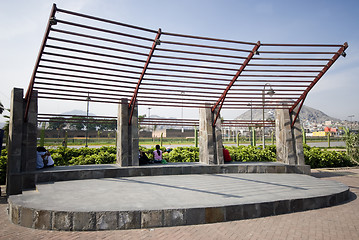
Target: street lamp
270,93
149,114
182,112
87,116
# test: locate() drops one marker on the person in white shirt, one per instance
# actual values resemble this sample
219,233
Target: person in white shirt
43,159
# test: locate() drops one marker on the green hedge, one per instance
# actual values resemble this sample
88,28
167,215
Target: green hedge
82,156
252,154
3,162
179,154
314,157
321,158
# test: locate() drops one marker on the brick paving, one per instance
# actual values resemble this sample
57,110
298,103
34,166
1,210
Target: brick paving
338,222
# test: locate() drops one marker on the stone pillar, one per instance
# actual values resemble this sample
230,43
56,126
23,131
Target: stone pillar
289,140
22,143
127,135
133,137
13,171
210,138
29,140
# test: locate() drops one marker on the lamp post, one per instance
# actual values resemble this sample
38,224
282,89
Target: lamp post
270,93
182,112
149,114
250,128
87,116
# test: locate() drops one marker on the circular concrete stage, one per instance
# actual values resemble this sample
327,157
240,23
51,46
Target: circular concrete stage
169,200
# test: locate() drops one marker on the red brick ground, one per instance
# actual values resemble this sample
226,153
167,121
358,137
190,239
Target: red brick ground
338,222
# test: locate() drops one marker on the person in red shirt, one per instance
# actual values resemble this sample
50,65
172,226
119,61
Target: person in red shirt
226,156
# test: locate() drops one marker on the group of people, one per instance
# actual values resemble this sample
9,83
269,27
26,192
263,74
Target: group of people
44,159
157,157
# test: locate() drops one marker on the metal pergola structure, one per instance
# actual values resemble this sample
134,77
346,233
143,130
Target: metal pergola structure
83,56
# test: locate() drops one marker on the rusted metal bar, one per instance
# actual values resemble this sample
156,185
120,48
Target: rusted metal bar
93,46
85,83
88,66
292,59
106,20
86,77
276,80
188,71
99,38
87,72
221,99
72,99
92,60
100,54
68,115
133,99
84,87
281,52
277,76
28,95
104,30
79,91
297,114
201,53
206,46
194,66
208,87
280,70
190,77
299,45
207,38
195,59
285,65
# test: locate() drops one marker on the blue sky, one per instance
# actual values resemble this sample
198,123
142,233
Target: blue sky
22,25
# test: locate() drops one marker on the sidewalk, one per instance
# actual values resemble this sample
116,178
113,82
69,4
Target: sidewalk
338,222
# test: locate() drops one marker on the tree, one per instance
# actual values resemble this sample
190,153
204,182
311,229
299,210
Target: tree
140,120
352,142
77,122
56,123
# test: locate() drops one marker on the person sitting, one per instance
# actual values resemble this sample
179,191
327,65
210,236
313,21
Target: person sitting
43,159
157,154
143,160
226,155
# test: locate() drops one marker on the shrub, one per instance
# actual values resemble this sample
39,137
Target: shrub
252,154
3,164
318,158
182,154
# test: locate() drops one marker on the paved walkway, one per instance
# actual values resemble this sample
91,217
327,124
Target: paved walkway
338,222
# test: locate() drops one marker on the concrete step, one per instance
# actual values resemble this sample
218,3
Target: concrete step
162,201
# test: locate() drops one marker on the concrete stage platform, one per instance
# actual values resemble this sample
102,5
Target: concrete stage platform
169,200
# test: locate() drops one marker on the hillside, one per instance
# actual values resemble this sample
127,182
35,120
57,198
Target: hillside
306,114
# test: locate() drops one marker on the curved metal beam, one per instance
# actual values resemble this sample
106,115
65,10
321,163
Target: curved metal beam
224,94
133,99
